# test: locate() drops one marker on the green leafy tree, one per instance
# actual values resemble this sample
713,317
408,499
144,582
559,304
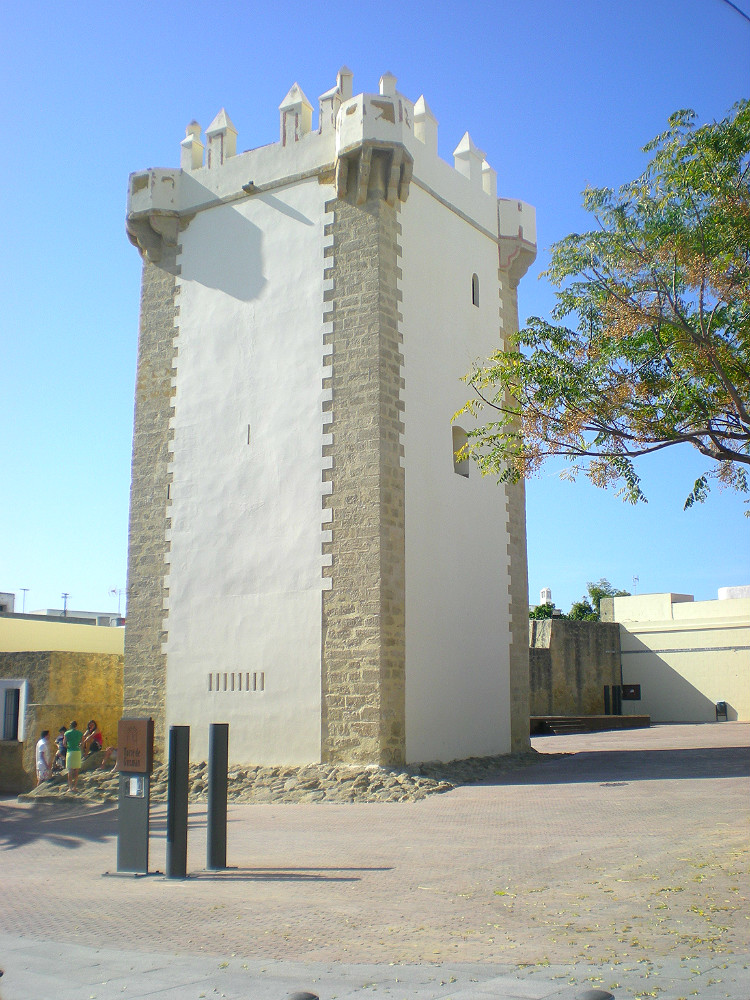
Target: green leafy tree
542,611
649,342
582,611
602,588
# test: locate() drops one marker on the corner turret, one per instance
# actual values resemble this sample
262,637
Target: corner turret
372,136
516,226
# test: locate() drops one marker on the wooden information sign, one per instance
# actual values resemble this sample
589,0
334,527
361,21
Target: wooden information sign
135,745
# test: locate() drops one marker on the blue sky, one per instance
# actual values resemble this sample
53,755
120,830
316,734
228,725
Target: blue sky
559,94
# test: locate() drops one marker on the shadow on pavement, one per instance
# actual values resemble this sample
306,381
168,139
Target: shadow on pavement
68,825
630,765
282,874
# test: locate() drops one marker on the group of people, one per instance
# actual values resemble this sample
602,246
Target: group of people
72,747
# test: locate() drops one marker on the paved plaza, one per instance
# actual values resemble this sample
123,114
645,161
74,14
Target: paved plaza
621,865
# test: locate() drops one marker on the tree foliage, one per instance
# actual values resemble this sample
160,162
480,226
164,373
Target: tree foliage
648,346
587,609
582,611
602,588
542,611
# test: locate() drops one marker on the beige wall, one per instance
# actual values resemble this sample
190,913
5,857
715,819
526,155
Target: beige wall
24,635
686,655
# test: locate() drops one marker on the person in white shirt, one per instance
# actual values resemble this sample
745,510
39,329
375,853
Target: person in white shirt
44,758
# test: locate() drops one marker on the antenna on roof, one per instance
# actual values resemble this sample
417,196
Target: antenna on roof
117,592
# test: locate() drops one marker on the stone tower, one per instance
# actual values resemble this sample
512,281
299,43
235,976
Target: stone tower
307,559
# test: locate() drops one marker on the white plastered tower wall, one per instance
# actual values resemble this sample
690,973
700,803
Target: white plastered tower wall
279,613
458,620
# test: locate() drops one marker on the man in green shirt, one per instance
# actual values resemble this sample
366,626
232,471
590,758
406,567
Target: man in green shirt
72,743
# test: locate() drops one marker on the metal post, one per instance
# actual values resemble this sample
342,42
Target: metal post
133,823
218,762
617,699
177,801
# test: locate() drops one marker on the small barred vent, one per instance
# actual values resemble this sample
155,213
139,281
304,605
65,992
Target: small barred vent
241,681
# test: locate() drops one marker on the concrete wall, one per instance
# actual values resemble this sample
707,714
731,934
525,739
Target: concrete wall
23,634
569,664
61,686
685,654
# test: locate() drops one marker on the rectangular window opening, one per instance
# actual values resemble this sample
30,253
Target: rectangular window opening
11,713
460,441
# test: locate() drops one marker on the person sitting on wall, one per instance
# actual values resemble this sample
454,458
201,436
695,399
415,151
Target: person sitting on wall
44,758
59,763
73,739
110,753
92,739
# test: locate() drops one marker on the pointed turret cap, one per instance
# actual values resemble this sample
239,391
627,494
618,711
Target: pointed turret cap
294,97
344,79
425,125
466,148
222,139
423,109
295,116
220,123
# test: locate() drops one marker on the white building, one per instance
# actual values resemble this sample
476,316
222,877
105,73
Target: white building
686,655
308,561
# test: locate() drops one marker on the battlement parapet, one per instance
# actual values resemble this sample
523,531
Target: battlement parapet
371,144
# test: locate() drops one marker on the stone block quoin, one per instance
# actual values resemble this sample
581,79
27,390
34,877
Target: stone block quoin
363,654
145,661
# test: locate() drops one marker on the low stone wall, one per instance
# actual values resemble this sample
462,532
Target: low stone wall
570,663
336,783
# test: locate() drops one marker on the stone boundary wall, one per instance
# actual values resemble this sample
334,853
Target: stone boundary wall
569,664
363,639
145,660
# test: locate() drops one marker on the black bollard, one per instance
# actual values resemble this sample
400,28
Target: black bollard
218,762
177,801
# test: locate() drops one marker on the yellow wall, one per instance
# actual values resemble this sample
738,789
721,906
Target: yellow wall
686,655
22,635
61,686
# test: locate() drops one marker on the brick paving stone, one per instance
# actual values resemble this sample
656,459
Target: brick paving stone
622,866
